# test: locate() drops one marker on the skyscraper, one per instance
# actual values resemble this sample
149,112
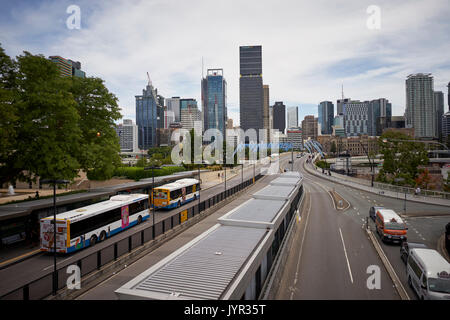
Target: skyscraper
214,101
251,94
279,116
326,117
147,117
379,116
420,112
356,117
191,116
266,112
340,105
292,117
438,101
309,127
173,104
128,133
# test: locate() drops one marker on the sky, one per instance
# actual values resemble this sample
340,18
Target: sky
310,49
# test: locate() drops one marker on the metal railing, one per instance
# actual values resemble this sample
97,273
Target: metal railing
43,286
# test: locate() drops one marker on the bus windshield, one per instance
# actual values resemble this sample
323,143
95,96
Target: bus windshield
159,194
439,285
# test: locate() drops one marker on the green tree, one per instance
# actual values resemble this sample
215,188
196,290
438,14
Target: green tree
47,129
401,158
98,109
8,113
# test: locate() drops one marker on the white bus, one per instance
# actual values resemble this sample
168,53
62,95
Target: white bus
85,226
175,194
428,274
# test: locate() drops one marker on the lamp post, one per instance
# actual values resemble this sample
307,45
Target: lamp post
150,199
54,182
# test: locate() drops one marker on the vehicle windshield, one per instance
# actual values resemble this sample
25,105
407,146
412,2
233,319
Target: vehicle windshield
158,194
439,285
394,226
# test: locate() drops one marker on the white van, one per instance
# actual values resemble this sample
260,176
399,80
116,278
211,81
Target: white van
428,274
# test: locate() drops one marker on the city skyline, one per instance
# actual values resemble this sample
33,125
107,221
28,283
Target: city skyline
368,63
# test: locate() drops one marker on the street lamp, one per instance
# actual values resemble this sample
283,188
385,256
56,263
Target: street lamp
54,182
151,195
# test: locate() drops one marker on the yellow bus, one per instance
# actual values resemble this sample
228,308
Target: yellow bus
175,194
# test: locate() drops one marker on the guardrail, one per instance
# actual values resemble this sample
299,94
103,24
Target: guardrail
43,286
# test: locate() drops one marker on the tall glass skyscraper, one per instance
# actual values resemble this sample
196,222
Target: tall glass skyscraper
379,116
420,111
147,117
326,117
214,99
251,93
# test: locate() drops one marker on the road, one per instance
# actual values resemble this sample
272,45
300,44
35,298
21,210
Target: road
319,243
24,272
331,253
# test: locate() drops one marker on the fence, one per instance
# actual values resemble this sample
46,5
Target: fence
43,287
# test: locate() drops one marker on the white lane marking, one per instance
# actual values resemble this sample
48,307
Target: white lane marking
301,245
57,263
346,257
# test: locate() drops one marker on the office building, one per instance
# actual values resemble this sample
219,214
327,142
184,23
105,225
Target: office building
356,117
214,100
68,67
169,118
230,123
340,105
446,128
266,112
147,117
379,116
191,116
173,104
128,136
326,117
398,122
420,111
251,95
310,128
292,117
279,116
438,101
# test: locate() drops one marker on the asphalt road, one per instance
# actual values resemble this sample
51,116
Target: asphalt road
425,222
331,253
24,272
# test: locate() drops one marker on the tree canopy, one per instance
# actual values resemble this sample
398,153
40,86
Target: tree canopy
53,126
401,158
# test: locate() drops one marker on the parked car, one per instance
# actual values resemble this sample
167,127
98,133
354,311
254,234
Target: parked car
407,246
373,211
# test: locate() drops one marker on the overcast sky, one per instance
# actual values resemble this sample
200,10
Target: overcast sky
310,48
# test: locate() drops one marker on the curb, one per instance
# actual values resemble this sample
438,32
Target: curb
23,257
441,247
395,279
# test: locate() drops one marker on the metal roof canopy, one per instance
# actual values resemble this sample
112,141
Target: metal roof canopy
217,264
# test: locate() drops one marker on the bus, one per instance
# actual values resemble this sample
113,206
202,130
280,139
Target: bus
83,227
175,194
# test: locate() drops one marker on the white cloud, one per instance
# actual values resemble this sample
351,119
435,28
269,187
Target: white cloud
302,41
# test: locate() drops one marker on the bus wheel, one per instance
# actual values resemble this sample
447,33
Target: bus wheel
195,197
410,282
102,236
179,204
93,240
139,220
